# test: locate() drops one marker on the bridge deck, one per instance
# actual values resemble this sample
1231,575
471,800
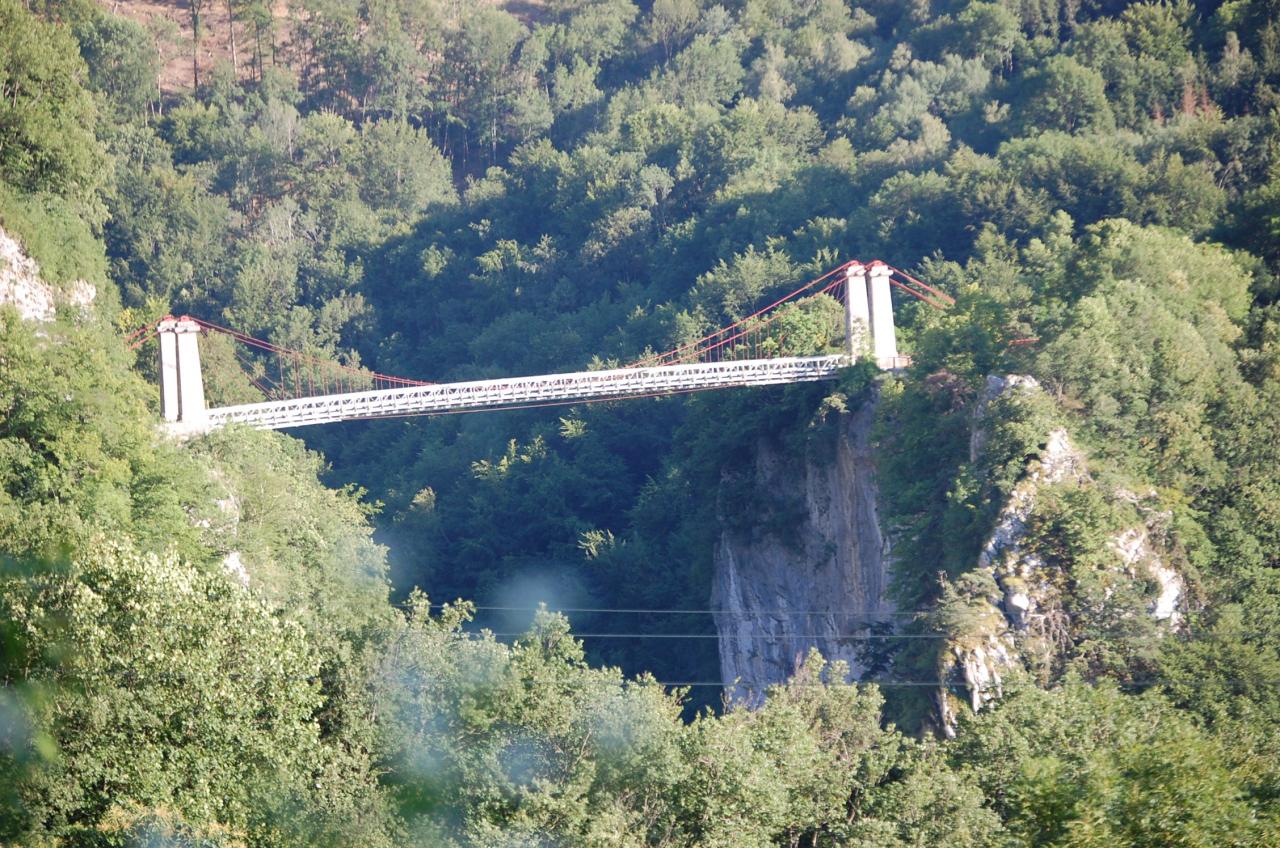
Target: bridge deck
518,391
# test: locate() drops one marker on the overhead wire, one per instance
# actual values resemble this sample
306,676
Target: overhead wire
677,610
790,637
67,676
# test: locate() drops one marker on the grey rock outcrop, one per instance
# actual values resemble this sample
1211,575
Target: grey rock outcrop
1030,606
820,576
779,594
20,285
20,282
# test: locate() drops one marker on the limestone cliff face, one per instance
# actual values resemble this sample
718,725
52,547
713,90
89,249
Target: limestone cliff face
782,591
819,575
21,285
1027,621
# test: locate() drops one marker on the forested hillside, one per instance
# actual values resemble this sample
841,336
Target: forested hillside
222,642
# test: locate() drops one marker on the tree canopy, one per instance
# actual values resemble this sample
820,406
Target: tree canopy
222,641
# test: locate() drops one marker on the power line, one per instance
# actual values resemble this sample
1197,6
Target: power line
680,611
950,683
884,683
779,636
178,677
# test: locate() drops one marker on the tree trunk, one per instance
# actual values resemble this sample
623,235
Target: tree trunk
195,44
257,48
231,27
159,110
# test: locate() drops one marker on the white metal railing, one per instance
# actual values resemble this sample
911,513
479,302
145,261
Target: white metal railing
519,391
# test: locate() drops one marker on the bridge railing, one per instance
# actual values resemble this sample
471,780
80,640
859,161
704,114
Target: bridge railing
303,388
521,392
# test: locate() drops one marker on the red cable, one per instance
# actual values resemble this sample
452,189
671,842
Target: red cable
946,297
765,322
247,366
268,346
660,356
759,312
143,340
755,327
906,288
141,330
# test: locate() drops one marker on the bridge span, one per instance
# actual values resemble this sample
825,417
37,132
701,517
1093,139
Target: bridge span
519,392
741,354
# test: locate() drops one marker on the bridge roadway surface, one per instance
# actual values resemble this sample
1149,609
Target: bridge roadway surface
440,398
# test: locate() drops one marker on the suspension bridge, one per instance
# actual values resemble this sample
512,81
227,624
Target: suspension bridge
299,389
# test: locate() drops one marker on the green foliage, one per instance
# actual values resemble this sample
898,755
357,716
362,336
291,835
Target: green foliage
461,192
403,170
1099,601
1064,95
1082,766
172,689
47,118
1148,356
169,239
310,547
79,450
730,289
556,750
814,765
54,232
162,696
120,56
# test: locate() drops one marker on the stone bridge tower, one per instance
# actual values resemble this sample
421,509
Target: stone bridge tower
181,383
868,307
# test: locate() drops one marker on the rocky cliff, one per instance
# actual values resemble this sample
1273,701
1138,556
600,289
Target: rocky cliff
21,285
1044,604
815,582
813,572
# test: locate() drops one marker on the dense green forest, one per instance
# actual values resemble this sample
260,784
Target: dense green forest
449,190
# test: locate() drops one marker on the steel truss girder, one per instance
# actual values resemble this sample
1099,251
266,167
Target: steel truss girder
441,398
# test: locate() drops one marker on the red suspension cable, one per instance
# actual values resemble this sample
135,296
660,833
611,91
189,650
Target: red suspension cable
747,331
920,295
298,357
140,342
941,295
671,354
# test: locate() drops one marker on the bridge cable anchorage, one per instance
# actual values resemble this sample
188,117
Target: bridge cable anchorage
302,388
